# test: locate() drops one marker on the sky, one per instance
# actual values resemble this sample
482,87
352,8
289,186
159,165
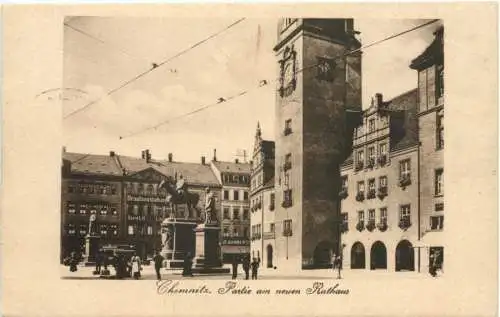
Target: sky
120,48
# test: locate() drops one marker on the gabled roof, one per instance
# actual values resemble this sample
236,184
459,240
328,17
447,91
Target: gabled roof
433,54
232,167
193,173
93,164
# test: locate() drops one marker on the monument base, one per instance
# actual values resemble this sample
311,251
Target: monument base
208,256
91,249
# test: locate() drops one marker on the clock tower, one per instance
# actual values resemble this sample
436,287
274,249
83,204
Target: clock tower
318,100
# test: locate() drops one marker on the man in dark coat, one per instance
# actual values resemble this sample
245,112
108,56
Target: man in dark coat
158,259
255,267
246,266
188,263
235,267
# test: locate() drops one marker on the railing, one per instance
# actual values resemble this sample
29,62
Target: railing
405,180
359,166
405,222
382,225
382,192
382,160
287,232
370,226
360,226
360,196
286,203
371,194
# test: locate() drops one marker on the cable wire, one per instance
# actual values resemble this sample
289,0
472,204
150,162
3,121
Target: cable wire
155,66
264,82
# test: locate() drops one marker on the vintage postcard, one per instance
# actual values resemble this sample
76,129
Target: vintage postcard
250,160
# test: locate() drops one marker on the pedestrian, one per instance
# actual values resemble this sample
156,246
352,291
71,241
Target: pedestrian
255,267
72,261
433,264
235,267
334,261
188,263
136,268
158,259
98,262
246,266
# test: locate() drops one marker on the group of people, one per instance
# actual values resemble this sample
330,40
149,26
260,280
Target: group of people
247,265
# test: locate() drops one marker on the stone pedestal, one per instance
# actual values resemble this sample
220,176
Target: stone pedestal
177,241
208,253
91,249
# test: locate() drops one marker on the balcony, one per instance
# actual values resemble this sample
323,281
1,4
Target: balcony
360,196
382,225
269,235
371,194
382,192
370,163
343,193
286,204
404,181
287,232
360,226
359,166
436,223
404,223
382,160
370,226
256,236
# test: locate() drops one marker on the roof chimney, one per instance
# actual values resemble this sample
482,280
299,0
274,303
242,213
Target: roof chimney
236,161
64,149
143,154
215,155
111,153
170,156
379,99
148,156
203,160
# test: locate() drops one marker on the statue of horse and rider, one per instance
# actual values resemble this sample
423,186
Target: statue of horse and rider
178,194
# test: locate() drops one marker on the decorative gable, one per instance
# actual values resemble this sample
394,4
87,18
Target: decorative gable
150,175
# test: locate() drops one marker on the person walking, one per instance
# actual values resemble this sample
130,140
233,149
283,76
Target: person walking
246,266
98,262
136,266
188,263
158,259
72,261
235,267
255,268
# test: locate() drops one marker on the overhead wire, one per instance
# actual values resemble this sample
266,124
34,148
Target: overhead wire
265,82
155,66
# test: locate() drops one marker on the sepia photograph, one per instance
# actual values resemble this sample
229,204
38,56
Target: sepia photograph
262,149
249,160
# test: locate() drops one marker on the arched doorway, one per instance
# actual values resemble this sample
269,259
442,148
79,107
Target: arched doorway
378,256
358,256
269,255
404,256
322,255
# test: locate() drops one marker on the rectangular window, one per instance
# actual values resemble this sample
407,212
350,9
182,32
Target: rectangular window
371,215
71,208
440,130
422,88
226,213
371,184
71,229
245,195
439,207
383,214
404,169
150,230
371,153
437,222
361,187
404,212
245,232
361,156
130,230
236,195
288,161
83,209
438,182
361,216
272,227
287,227
225,231
272,198
236,213
245,214
287,198
235,232
383,148
288,127
383,181
440,81
226,195
371,125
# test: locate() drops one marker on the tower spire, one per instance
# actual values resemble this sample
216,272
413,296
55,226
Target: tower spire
258,133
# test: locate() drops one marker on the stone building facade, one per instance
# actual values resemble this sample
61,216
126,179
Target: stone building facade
235,208
430,68
380,188
129,205
263,202
318,95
